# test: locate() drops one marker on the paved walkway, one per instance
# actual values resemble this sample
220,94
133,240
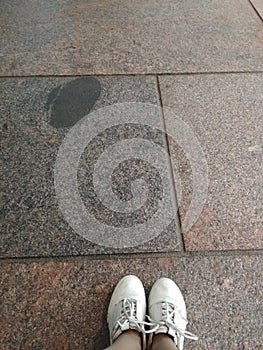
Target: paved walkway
83,205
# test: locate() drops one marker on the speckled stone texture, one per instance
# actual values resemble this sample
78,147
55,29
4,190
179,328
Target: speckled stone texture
93,37
63,305
225,112
36,115
258,6
62,60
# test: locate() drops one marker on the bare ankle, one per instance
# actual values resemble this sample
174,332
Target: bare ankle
163,341
131,336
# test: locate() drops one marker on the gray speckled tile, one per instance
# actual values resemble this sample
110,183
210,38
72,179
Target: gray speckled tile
63,305
34,111
225,112
94,37
258,5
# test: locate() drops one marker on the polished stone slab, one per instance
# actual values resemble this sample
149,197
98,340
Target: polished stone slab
63,304
225,114
258,6
101,37
37,115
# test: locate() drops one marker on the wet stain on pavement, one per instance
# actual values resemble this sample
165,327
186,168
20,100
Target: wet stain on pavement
68,103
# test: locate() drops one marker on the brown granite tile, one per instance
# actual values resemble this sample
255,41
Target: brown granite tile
63,305
37,114
94,37
225,113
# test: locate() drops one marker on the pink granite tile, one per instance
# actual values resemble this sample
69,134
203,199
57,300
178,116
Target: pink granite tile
35,121
102,37
225,113
63,304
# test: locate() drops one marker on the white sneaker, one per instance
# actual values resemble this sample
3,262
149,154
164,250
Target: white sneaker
167,312
127,308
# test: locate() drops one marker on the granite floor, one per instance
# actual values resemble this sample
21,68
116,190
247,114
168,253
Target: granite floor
131,143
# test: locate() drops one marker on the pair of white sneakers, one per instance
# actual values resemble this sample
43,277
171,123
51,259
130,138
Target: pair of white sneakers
166,307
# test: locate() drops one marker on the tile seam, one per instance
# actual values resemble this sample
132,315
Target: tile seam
128,256
179,234
255,10
23,76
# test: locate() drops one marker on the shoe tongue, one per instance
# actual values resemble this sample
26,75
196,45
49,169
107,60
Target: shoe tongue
162,329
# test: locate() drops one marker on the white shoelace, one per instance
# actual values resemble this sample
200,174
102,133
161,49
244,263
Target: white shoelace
168,314
128,316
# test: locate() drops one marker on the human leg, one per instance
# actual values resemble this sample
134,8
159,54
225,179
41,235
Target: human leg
126,315
167,311
128,340
162,341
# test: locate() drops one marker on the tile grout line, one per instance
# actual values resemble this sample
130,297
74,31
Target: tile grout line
141,255
170,168
255,9
128,74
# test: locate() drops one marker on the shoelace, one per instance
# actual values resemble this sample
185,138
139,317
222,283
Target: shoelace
128,316
168,313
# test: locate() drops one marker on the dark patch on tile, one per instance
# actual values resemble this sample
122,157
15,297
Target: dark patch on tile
33,224
53,95
68,103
